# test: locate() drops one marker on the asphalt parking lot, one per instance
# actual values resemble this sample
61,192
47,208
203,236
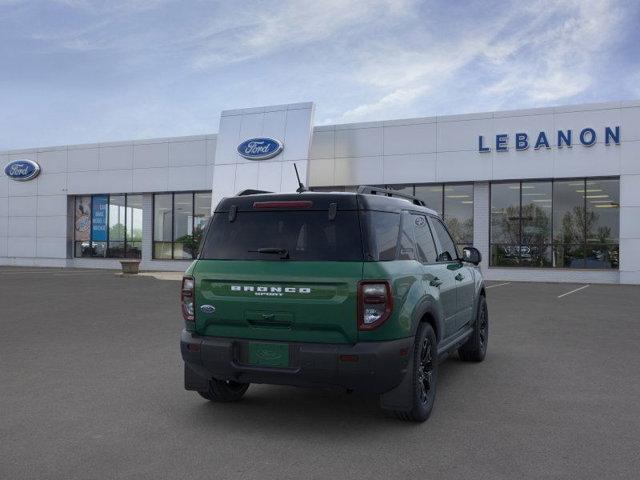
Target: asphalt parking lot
91,387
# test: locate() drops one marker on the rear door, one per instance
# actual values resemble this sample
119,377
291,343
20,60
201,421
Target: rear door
461,275
282,273
438,277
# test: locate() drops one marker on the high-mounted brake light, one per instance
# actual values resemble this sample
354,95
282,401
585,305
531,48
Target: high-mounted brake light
284,204
375,303
187,298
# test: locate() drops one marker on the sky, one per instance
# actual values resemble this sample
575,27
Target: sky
80,71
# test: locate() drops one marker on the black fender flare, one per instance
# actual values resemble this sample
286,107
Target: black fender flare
428,306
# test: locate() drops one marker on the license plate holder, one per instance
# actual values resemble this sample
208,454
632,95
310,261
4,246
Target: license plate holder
269,355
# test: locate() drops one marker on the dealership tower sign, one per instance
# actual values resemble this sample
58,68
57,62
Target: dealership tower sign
260,148
564,138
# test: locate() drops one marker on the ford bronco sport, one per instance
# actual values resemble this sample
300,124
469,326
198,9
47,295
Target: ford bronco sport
363,291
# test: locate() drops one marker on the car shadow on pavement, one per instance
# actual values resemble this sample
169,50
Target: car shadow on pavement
295,411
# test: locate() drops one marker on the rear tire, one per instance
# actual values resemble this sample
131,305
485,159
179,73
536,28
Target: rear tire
475,349
224,391
425,374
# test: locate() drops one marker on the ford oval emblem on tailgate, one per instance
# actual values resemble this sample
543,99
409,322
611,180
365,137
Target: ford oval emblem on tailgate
207,309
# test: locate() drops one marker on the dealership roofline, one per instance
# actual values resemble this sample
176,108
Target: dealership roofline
570,108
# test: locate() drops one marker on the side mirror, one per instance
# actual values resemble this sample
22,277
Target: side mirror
471,255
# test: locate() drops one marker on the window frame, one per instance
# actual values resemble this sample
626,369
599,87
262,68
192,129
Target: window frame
173,215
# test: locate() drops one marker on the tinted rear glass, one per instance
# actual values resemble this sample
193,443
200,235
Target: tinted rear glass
305,235
382,232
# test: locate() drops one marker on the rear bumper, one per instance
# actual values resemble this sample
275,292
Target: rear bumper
380,366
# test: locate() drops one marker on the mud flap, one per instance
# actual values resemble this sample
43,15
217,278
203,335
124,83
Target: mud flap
194,380
401,397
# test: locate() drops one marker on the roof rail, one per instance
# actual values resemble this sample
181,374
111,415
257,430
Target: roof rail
366,189
251,191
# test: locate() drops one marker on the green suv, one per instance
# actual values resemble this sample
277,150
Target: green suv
362,291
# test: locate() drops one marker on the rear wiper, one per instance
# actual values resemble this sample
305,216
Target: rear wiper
283,252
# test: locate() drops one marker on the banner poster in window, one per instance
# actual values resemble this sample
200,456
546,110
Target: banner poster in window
83,219
99,218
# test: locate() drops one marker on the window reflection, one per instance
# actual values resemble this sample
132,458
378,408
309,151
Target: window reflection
108,226
179,221
134,226
458,213
565,224
183,225
535,217
431,195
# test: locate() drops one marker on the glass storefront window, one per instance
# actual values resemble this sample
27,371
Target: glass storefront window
183,226
505,224
453,202
108,226
564,224
162,225
535,229
569,223
458,213
431,195
179,221
82,226
117,220
603,223
134,226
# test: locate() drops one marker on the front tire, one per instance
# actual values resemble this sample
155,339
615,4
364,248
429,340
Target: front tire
425,374
475,349
224,391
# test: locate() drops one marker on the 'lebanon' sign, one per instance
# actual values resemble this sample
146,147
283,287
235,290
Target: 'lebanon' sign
564,138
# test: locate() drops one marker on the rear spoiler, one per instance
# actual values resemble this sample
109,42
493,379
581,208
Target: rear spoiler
251,191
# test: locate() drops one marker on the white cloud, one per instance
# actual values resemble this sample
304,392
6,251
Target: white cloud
554,63
256,33
544,52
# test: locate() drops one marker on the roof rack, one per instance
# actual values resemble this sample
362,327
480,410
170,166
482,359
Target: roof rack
366,189
251,191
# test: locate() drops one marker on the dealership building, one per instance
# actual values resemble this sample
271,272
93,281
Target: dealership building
547,194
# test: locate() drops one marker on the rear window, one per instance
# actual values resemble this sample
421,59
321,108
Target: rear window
305,235
382,232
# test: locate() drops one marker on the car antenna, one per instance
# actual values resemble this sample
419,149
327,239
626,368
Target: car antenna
301,188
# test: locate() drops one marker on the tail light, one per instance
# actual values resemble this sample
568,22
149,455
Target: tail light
375,303
187,298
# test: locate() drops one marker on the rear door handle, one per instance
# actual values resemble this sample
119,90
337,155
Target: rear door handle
436,282
459,277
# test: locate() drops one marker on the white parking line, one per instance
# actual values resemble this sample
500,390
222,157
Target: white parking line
498,285
573,291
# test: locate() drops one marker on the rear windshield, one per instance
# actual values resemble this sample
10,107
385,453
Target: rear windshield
304,235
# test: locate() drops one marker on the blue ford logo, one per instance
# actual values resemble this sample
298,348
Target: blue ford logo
22,170
260,148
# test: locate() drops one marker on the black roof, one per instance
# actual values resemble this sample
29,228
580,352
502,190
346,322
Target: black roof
322,200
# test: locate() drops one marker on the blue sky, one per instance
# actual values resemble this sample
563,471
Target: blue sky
76,71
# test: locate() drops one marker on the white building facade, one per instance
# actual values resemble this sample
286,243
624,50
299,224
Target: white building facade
549,194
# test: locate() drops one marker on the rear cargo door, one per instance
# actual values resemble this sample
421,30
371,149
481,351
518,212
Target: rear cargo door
278,300
281,270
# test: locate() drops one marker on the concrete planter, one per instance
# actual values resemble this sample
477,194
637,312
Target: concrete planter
130,266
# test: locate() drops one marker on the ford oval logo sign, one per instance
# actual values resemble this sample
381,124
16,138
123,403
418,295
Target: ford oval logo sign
260,148
22,170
